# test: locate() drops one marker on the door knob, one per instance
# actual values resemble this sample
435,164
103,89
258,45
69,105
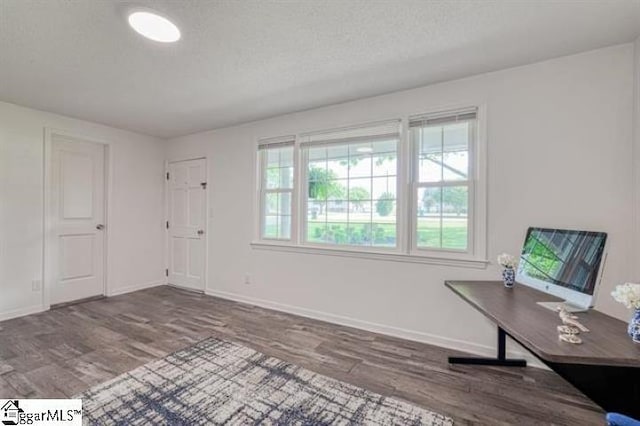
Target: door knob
200,232
99,227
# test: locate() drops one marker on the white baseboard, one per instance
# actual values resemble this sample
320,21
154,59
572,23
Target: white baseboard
21,312
39,308
417,336
134,287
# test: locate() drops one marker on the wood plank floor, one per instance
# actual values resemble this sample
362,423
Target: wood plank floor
64,351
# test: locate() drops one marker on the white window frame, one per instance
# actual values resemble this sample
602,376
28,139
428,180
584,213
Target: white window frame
474,226
406,249
263,146
304,188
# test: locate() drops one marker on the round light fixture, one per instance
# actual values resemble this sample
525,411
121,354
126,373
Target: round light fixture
153,26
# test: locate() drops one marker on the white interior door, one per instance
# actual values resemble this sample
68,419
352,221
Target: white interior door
77,211
187,220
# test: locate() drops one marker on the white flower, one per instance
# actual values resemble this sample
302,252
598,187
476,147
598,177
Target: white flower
628,294
507,261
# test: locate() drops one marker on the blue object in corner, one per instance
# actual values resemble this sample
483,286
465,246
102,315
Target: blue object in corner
615,419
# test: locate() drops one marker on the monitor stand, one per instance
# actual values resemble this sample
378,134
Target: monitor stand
566,305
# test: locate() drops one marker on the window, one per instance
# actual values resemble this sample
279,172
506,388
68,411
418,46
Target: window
410,189
351,181
275,157
443,180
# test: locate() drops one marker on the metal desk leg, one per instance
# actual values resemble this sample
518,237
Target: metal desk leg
501,359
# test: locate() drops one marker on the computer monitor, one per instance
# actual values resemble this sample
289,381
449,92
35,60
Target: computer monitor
564,263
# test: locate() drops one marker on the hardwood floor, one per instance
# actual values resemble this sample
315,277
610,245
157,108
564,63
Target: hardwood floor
66,350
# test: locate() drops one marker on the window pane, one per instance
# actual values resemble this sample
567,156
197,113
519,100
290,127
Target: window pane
286,177
384,234
359,180
279,157
277,189
316,210
444,164
387,147
324,180
385,209
316,231
456,150
273,157
284,203
359,165
429,153
360,188
385,165
317,184
443,217
456,137
443,152
338,161
337,233
317,154
430,139
270,227
455,166
455,201
277,215
271,201
318,164
336,153
336,210
429,232
284,227
316,221
384,187
279,177
430,167
359,233
273,177
429,217
454,233
286,157
360,210
339,168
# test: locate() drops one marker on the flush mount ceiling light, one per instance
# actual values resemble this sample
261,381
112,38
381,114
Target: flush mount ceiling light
153,26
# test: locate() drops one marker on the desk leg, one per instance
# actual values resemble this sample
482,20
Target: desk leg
501,359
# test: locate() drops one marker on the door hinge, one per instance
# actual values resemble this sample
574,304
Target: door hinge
166,272
168,175
203,185
167,224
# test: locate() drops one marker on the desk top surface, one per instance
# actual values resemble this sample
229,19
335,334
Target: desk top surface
515,310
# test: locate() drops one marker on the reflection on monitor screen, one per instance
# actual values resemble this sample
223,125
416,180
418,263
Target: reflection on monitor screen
569,259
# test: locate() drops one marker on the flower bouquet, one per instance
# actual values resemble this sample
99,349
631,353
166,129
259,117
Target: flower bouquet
629,295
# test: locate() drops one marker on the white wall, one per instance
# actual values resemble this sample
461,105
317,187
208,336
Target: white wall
560,144
636,157
137,206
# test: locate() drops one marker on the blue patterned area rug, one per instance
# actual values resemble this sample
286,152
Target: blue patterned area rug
216,382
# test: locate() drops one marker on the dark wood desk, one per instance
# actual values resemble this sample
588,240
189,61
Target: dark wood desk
605,367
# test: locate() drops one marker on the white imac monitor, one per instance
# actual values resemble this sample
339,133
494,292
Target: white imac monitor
564,263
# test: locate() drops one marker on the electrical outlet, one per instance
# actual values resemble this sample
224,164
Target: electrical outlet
247,279
36,285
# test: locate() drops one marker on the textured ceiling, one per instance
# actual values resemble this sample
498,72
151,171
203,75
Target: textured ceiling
242,60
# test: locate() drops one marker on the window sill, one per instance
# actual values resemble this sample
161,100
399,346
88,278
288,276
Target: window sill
373,255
